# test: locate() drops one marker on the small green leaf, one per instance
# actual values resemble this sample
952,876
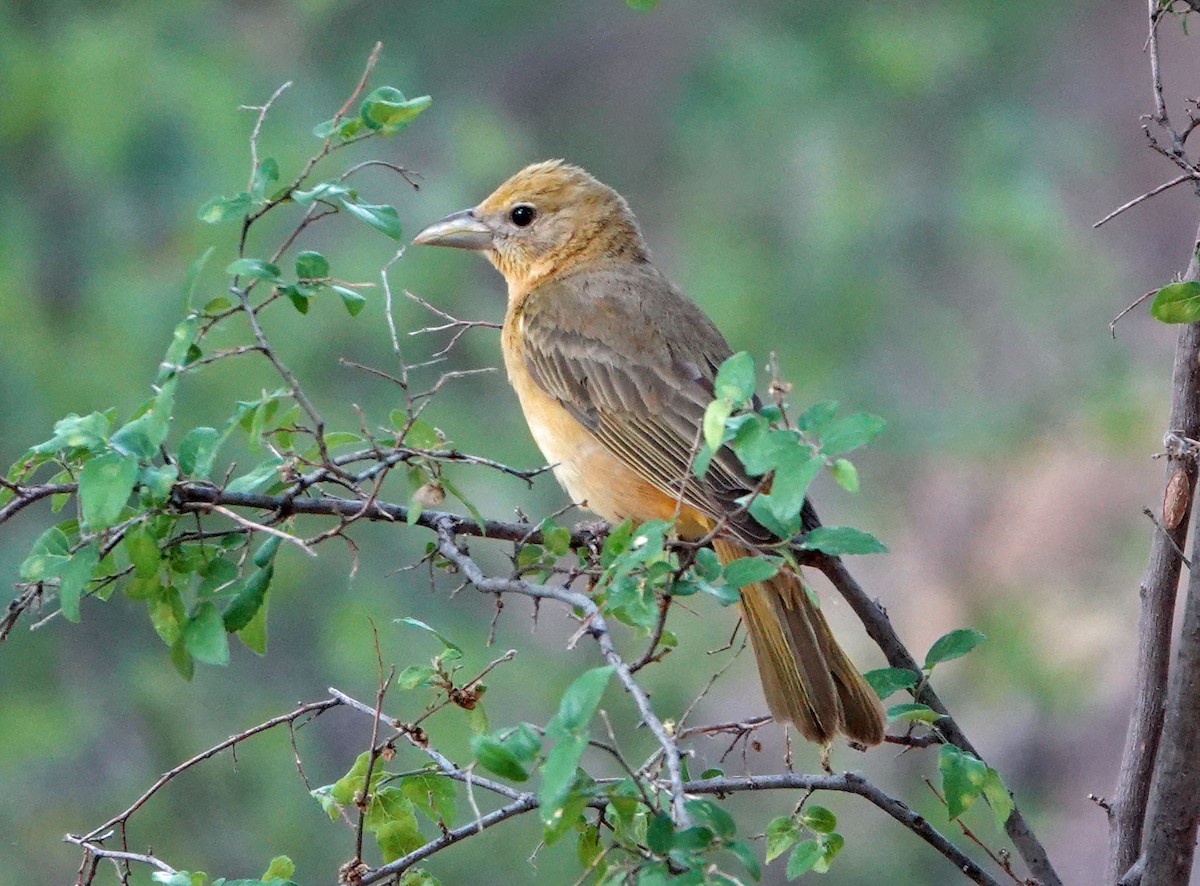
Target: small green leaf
220,209
815,418
794,471
953,645
248,601
104,487
963,777
819,819
660,834
748,570
831,845
256,268
254,634
911,710
845,474
497,757
714,422
204,635
197,452
735,379
579,703
806,854
838,540
312,266
323,191
281,868
713,817
143,552
351,300
998,796
381,217
387,111
641,5
74,579
781,834
851,432
257,478
1177,303
193,275
450,650
888,681
433,794
558,779
415,675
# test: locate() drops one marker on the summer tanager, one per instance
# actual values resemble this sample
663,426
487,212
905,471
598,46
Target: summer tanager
614,367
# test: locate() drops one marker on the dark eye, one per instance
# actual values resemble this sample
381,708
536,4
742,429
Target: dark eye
522,214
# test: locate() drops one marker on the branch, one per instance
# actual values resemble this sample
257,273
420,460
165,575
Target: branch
595,625
880,629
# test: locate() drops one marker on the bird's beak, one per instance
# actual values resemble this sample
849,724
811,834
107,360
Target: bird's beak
463,230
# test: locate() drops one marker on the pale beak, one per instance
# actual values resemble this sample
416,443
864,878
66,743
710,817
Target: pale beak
463,230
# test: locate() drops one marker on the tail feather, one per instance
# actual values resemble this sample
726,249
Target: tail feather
807,678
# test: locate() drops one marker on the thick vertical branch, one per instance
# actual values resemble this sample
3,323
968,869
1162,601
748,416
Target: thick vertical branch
1127,811
1173,811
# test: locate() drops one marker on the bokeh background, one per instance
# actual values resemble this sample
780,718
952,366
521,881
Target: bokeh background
896,198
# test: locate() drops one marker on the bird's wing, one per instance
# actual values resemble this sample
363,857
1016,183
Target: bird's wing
599,344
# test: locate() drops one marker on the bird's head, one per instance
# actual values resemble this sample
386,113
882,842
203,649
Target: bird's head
546,221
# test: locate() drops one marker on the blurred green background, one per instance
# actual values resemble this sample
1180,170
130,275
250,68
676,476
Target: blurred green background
897,199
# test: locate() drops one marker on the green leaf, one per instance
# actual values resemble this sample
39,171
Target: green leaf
74,579
204,636
254,634
451,651
660,834
143,552
312,266
193,275
257,478
735,379
911,710
323,191
963,777
819,819
714,422
998,796
157,481
560,798
104,486
641,5
179,878
265,175
48,556
748,570
381,217
254,267
794,471
831,845
837,540
433,794
815,418
344,128
782,832
387,111
851,432
1177,303
713,817
888,681
498,757
169,619
393,820
281,868
248,601
347,788
88,432
953,645
845,474
806,854
197,451
579,703
351,300
746,855
220,209
415,675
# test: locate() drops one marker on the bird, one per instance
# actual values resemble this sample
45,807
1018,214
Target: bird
614,367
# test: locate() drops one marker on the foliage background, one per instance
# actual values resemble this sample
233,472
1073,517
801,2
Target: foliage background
896,199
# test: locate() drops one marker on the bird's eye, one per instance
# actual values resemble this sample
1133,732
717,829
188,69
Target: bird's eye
522,214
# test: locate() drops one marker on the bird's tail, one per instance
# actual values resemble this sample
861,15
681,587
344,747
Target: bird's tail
808,679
